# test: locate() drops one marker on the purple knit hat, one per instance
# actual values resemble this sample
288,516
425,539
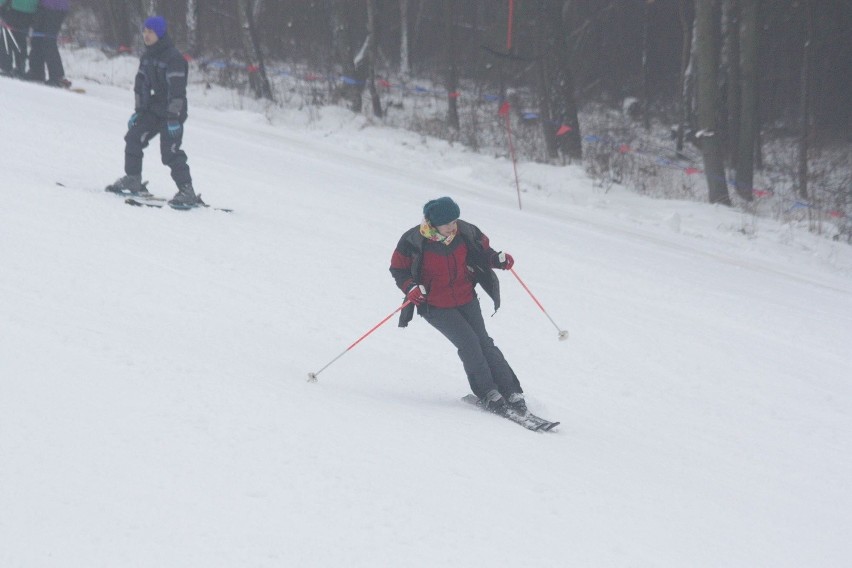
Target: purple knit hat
156,24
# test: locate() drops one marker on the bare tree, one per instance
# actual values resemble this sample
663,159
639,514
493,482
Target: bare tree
342,41
804,101
128,17
646,82
450,55
686,82
138,12
251,40
543,63
372,51
707,55
191,25
748,98
404,64
556,78
731,77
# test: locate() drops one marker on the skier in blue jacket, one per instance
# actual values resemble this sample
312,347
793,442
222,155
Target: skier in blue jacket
160,109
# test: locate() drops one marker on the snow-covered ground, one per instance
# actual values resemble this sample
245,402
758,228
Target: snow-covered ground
154,408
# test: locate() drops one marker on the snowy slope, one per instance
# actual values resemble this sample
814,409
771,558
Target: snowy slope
153,403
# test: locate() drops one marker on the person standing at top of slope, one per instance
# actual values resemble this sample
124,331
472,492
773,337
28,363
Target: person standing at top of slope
437,264
161,108
45,49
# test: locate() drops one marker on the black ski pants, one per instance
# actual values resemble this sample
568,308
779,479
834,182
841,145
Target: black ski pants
139,135
483,362
45,50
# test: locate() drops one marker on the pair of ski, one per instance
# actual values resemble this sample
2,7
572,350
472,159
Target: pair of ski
160,202
150,200
529,420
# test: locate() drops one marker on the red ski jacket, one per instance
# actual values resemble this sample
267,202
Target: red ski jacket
448,272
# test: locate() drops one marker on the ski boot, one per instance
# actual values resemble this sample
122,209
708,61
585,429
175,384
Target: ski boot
494,402
129,185
517,403
185,198
61,83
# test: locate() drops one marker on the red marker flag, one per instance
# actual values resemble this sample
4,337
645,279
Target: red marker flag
564,129
504,109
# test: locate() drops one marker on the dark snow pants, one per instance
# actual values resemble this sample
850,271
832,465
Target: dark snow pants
147,126
483,362
45,50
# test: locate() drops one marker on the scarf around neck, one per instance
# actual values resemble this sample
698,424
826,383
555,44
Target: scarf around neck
431,233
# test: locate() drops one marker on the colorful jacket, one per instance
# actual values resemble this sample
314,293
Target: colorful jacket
448,272
160,85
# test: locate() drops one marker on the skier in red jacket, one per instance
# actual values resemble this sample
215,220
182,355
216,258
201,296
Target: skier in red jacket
437,264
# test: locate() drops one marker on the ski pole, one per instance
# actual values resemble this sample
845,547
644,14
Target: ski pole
563,334
7,33
312,377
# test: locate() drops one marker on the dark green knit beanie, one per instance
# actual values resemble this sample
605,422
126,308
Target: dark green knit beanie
441,211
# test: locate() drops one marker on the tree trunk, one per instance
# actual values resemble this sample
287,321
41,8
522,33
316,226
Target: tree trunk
418,23
191,26
560,79
732,78
804,102
257,74
404,65
758,131
134,17
341,40
684,97
543,64
707,55
748,98
646,82
373,56
450,55
118,18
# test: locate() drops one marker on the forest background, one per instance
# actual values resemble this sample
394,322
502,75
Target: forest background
739,102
